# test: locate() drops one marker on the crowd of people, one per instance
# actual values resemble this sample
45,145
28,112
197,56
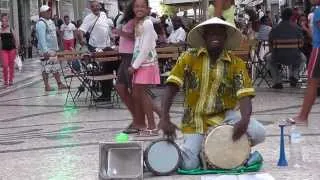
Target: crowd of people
215,81
293,25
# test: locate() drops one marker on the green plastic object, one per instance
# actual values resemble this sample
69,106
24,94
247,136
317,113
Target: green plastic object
122,138
236,171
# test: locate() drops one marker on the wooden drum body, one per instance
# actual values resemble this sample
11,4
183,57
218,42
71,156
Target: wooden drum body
220,151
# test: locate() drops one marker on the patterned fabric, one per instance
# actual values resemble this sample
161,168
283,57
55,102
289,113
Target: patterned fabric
144,53
210,89
48,43
47,36
50,66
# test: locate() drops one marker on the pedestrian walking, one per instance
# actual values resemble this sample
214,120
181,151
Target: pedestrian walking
68,34
8,50
48,46
313,71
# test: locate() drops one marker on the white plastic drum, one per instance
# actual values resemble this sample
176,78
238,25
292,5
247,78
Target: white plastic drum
162,157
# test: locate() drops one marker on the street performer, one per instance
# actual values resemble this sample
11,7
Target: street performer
214,81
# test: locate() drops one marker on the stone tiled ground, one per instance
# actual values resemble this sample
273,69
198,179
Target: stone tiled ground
40,138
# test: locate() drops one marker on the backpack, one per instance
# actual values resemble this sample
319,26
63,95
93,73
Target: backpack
47,27
116,19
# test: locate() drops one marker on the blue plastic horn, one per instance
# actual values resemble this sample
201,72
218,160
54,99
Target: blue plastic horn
282,159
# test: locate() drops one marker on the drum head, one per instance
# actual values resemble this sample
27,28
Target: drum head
222,152
162,157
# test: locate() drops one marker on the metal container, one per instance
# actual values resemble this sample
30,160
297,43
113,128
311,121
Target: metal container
121,161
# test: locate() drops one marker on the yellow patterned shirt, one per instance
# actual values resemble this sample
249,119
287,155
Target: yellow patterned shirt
210,89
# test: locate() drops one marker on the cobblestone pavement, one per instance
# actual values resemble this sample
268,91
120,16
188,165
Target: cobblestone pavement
41,139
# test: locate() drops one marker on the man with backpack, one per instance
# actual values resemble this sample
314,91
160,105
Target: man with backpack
48,46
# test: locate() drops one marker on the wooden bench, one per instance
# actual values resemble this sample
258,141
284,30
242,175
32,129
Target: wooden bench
286,43
102,77
167,57
106,56
243,51
168,53
68,55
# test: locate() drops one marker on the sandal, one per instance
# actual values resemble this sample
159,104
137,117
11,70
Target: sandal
62,86
48,89
148,133
292,121
130,130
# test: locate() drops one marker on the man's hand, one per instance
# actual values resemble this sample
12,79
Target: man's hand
168,128
46,56
116,32
304,26
131,70
239,129
82,43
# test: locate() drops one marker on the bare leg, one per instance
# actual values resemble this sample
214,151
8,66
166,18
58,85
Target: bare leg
155,107
126,98
308,101
139,122
58,79
45,77
148,107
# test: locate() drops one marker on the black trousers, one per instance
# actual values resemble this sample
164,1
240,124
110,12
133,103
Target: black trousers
107,68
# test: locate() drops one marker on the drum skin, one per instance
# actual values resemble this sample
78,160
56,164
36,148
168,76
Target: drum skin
221,151
162,157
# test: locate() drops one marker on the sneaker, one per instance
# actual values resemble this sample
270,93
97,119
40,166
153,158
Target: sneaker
10,83
277,86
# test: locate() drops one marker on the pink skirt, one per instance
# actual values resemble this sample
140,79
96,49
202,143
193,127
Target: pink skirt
147,75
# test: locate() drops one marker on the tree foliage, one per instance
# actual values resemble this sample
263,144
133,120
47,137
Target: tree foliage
168,10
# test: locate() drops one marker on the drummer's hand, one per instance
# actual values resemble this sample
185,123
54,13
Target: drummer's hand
116,32
168,128
239,129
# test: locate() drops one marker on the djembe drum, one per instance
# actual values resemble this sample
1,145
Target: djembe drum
220,151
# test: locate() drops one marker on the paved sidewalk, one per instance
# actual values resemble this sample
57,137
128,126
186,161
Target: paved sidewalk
30,74
42,139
